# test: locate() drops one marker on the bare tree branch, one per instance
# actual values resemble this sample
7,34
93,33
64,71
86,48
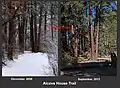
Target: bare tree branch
12,16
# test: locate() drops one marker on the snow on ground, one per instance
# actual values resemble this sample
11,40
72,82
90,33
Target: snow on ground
28,64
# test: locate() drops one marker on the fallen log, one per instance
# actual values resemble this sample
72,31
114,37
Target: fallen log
88,65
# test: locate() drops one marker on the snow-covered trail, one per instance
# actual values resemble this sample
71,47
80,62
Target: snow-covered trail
28,64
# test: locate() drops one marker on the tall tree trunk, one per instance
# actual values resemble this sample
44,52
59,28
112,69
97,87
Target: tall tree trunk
91,33
52,19
35,27
32,33
21,35
82,42
45,25
25,46
97,31
6,34
76,46
97,37
1,36
39,32
10,41
98,13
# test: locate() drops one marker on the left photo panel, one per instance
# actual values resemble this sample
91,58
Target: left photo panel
29,39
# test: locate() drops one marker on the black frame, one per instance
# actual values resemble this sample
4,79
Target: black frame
105,82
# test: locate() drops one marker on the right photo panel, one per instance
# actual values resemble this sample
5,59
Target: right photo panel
88,38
